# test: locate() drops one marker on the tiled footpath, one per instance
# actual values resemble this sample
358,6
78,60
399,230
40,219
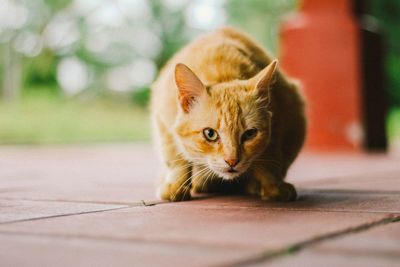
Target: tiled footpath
95,206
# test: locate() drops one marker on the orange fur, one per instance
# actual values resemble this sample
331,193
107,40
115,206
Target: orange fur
225,81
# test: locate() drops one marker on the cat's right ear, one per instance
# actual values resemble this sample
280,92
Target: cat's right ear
189,86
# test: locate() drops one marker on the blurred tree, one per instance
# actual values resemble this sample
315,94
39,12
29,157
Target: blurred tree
172,30
260,18
388,13
41,70
118,45
11,73
20,25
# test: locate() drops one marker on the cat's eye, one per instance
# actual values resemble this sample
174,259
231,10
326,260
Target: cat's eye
249,134
210,134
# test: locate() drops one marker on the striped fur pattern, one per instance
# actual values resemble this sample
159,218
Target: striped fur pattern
223,115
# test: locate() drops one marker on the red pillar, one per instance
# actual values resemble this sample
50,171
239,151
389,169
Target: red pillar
320,48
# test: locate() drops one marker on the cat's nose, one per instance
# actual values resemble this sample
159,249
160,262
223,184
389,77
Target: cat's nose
232,162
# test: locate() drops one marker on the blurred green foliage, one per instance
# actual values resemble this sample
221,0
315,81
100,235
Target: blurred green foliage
40,70
42,117
394,125
388,14
261,18
141,97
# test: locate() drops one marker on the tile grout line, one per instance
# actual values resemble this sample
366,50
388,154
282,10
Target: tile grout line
268,255
110,239
124,205
132,203
67,214
140,203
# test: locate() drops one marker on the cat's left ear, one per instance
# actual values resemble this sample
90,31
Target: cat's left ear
189,86
262,81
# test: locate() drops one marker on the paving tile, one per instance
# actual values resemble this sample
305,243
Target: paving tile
320,166
337,191
112,174
379,240
338,200
379,246
332,259
63,251
16,210
346,200
251,227
383,181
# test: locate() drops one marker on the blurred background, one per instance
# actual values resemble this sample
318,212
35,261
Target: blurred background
74,71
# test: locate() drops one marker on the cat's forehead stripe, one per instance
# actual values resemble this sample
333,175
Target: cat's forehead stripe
218,122
231,115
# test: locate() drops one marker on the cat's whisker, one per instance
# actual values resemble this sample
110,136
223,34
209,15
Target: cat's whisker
184,184
173,162
196,174
186,188
180,168
177,162
187,181
200,172
208,175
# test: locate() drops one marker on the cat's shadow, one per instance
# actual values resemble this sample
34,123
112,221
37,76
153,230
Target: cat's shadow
316,199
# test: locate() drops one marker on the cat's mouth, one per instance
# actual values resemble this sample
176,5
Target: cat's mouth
228,174
232,170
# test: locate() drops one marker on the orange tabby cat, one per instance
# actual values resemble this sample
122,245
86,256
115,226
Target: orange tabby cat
223,112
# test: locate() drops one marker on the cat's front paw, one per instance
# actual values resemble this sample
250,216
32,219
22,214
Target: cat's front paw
253,187
282,192
173,192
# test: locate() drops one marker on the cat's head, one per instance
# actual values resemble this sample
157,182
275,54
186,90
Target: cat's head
224,126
